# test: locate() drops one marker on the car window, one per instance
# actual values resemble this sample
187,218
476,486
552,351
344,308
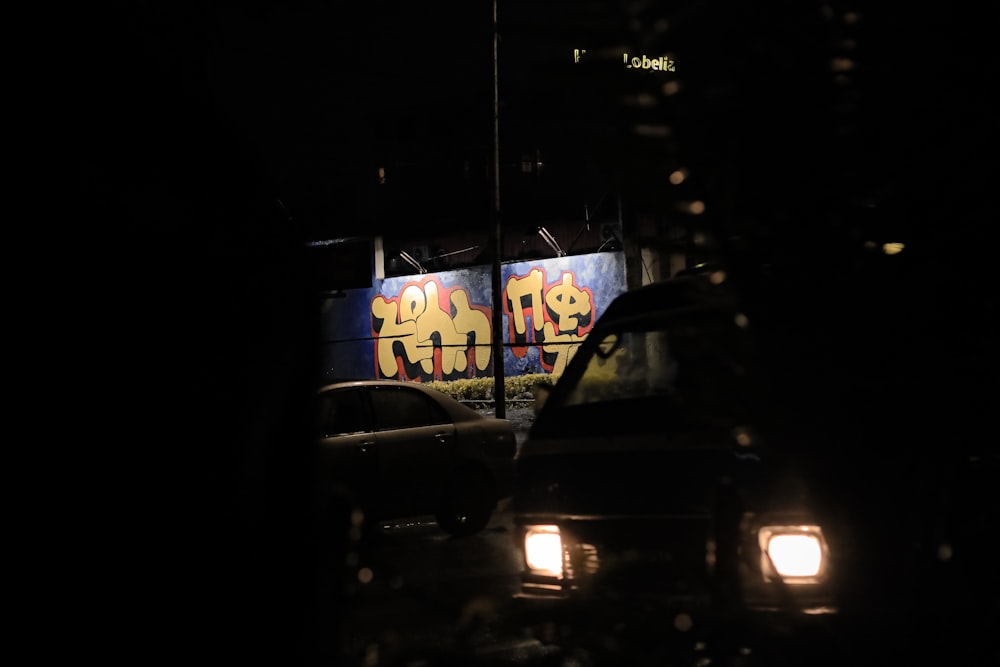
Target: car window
342,412
627,365
399,407
672,374
700,353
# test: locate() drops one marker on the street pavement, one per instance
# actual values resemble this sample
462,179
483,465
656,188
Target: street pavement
422,597
414,595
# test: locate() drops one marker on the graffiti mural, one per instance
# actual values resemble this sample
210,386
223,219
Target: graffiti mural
561,315
439,326
430,332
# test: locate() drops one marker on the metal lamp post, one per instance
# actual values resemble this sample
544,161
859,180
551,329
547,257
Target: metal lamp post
496,237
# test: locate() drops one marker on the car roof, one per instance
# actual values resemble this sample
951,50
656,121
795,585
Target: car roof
682,292
345,382
358,382
456,409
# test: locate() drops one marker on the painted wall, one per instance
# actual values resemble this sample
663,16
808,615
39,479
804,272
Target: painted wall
438,326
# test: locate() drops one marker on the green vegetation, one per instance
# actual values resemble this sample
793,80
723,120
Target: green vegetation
517,388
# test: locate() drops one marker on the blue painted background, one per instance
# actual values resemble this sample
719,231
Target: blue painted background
587,282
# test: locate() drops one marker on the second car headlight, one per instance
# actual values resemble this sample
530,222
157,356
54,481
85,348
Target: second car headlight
543,550
795,554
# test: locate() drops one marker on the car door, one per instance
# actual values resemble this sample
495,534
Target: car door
416,443
346,443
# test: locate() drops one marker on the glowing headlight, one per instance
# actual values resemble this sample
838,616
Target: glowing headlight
543,551
794,554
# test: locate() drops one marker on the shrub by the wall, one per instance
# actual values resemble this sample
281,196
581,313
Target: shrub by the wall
516,388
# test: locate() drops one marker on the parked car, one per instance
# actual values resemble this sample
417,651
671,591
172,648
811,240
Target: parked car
401,449
647,506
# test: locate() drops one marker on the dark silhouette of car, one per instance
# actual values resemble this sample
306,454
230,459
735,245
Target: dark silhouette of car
401,449
648,507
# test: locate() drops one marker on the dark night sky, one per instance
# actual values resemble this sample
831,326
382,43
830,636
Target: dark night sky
315,96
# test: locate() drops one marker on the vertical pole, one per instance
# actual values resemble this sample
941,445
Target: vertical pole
496,236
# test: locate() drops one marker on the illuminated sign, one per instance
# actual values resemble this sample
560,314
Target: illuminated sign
662,64
658,64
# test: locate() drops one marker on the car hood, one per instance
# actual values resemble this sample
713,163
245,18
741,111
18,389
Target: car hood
631,475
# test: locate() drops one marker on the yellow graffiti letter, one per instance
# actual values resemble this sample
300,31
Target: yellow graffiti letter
392,330
567,302
453,344
529,286
468,321
564,346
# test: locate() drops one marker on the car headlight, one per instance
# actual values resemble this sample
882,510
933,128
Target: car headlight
543,550
795,554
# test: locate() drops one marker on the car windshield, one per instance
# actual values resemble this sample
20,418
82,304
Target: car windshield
692,365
